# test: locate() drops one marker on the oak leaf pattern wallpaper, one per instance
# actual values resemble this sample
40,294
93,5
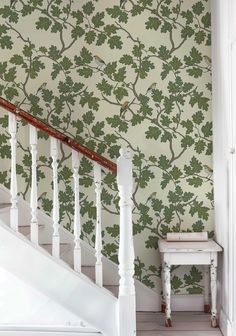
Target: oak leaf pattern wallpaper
133,73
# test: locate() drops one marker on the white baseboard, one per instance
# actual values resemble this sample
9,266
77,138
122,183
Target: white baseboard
45,331
187,302
223,323
151,301
226,327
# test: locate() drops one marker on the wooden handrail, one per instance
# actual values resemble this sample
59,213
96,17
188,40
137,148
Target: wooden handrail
36,122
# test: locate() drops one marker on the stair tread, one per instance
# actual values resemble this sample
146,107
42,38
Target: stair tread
28,225
50,244
26,228
4,205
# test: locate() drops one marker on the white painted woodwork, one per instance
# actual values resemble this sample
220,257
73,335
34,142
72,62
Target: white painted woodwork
127,305
167,288
196,247
224,156
77,221
232,169
39,331
213,277
146,298
58,282
203,258
13,143
56,236
98,238
187,236
163,299
189,253
31,307
33,193
206,279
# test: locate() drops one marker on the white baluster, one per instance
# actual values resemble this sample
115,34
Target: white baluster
77,222
98,241
213,272
127,305
56,237
33,195
167,289
13,142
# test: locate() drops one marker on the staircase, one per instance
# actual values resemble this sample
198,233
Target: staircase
59,294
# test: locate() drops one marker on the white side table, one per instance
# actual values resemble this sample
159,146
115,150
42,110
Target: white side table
190,253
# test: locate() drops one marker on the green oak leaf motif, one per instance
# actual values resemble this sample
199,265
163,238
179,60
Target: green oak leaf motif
154,59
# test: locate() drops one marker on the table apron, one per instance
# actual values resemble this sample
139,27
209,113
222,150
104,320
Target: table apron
191,258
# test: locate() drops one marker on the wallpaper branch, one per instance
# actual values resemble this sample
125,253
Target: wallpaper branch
109,74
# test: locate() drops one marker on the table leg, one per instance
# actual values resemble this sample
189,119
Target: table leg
167,290
163,303
214,321
206,289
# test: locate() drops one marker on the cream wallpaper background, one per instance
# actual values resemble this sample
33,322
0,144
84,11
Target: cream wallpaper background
149,89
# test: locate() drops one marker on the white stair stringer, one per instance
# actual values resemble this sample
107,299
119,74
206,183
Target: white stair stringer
146,298
43,331
46,333
21,305
76,293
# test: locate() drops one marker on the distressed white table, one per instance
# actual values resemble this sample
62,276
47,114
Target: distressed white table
190,253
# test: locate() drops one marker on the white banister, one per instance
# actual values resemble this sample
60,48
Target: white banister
127,305
56,237
33,195
98,241
77,222
13,142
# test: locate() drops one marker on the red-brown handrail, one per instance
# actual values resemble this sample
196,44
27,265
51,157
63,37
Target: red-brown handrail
36,122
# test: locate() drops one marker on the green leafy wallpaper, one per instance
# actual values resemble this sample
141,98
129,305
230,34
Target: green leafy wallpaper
133,73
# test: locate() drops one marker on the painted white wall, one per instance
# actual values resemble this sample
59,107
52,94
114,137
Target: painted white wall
224,125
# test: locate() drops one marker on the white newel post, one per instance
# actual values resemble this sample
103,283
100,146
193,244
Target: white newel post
33,195
56,237
77,222
98,241
127,305
13,142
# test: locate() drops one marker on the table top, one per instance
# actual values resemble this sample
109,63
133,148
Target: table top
179,247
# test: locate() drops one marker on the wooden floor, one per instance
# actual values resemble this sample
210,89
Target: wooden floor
184,324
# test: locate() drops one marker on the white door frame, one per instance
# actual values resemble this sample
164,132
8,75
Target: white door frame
224,156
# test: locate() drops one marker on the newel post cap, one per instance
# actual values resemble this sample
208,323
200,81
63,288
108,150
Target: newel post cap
125,152
124,168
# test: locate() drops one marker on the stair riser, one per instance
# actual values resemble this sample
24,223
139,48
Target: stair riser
25,230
